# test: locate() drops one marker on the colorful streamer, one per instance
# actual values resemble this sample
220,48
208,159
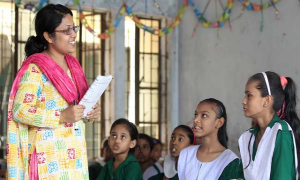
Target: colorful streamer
163,31
33,8
158,7
222,20
176,21
258,7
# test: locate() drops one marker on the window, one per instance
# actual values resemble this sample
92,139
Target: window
93,53
7,25
146,77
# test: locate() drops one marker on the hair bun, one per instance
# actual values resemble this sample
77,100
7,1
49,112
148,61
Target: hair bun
33,45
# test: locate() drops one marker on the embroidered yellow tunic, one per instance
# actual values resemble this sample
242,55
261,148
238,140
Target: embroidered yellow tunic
60,149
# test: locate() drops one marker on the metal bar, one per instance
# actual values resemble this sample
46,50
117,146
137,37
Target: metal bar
144,67
159,84
2,45
15,63
103,27
151,88
151,80
144,111
151,123
145,53
22,42
94,75
166,87
2,88
137,75
128,77
80,43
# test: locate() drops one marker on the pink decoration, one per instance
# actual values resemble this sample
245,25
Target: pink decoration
185,3
215,25
283,81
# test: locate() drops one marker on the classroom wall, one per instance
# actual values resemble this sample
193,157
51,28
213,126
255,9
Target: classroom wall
219,67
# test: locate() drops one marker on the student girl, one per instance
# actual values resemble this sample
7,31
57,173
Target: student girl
96,167
157,150
143,152
211,159
182,137
122,142
156,168
270,149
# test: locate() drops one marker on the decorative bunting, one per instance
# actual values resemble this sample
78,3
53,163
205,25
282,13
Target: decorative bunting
222,20
256,7
176,21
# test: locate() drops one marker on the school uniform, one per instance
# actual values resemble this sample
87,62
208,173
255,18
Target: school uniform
160,176
170,170
101,161
128,169
153,170
275,157
224,167
94,170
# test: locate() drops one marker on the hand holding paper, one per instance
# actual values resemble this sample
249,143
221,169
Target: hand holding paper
94,92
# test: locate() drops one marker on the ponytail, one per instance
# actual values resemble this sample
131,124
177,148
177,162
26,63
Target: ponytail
35,45
290,113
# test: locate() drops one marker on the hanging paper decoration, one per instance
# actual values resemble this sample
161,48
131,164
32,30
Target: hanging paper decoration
146,11
163,31
31,7
197,13
258,7
41,4
255,7
110,30
222,20
18,2
176,21
158,7
229,22
262,23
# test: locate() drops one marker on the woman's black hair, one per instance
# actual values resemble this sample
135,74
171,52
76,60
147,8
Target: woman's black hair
148,139
189,132
46,20
222,133
131,128
281,97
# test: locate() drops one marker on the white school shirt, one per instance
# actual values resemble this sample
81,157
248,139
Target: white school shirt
260,168
190,168
170,166
151,171
101,161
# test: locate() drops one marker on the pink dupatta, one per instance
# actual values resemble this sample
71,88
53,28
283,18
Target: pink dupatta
17,148
56,76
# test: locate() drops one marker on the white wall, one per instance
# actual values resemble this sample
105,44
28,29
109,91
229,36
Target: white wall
219,68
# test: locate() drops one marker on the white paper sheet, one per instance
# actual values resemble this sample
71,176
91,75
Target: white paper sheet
95,91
